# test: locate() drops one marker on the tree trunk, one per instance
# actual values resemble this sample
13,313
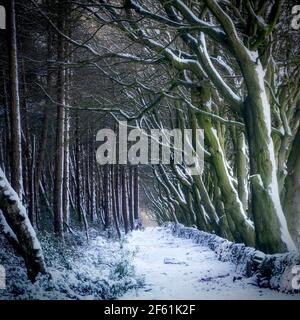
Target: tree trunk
59,143
292,190
29,153
124,199
92,176
240,226
272,235
16,147
43,137
106,197
77,169
117,190
114,203
130,197
17,219
7,123
136,195
241,166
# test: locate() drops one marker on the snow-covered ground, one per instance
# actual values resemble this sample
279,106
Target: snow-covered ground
176,268
100,269
149,264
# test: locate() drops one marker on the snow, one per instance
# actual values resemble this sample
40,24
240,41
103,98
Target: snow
225,65
244,151
170,262
176,268
100,269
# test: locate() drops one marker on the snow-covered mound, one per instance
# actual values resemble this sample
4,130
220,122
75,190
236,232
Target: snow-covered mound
270,271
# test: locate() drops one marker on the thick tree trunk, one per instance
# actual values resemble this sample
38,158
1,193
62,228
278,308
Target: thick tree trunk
292,191
206,212
240,226
17,219
272,234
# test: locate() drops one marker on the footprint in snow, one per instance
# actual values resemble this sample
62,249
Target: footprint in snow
174,261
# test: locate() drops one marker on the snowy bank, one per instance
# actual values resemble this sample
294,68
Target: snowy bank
270,271
100,269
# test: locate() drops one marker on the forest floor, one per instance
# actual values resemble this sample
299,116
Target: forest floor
148,264
99,269
176,268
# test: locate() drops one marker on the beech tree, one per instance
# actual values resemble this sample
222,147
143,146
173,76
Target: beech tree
185,35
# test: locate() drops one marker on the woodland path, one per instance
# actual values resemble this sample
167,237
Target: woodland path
175,268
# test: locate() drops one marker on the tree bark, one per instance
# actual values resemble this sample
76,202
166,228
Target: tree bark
17,219
77,169
136,193
66,172
16,146
272,235
106,197
114,203
117,190
124,199
292,190
59,143
130,197
240,226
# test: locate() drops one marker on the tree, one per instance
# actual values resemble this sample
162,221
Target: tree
136,194
124,199
225,67
17,227
291,198
15,117
60,130
252,56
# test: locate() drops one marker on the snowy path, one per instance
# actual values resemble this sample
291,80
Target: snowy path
175,268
